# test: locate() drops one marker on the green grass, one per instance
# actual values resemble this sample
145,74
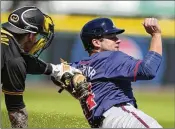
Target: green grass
48,109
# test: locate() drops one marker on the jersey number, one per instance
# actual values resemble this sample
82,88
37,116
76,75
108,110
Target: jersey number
90,104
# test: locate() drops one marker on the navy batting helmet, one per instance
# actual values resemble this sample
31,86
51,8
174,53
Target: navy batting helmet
97,28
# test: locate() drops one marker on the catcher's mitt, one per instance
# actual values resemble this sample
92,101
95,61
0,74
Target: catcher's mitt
75,84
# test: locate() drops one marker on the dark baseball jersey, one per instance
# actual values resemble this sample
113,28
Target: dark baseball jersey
15,64
111,74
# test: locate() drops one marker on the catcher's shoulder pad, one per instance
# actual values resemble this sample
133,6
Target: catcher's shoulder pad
5,37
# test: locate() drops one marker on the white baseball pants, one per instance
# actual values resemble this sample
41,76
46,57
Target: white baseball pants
127,116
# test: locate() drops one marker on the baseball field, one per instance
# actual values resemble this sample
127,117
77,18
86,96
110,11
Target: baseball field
48,109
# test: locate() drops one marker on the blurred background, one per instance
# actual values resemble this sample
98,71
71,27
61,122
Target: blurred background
70,16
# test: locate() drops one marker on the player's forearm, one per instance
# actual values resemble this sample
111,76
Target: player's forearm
156,43
149,66
37,66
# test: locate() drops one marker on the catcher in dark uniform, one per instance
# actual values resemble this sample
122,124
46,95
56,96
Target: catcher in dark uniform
26,34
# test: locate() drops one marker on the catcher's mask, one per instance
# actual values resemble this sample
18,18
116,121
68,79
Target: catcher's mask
30,19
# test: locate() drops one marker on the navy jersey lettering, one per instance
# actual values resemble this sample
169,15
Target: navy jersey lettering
88,71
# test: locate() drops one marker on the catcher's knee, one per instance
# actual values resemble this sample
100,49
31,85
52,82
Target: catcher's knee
18,118
16,110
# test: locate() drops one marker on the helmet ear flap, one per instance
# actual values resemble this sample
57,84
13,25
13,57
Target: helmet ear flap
87,43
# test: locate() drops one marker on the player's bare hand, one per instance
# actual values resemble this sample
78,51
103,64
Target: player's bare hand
151,26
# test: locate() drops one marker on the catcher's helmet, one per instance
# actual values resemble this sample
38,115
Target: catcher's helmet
28,19
97,28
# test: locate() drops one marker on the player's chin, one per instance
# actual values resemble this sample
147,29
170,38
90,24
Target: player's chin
116,49
112,49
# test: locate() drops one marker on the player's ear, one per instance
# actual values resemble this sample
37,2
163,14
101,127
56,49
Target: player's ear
96,43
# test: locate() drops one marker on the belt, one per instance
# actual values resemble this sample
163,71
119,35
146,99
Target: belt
120,104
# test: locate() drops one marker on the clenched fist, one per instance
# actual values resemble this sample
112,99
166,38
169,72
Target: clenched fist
151,26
